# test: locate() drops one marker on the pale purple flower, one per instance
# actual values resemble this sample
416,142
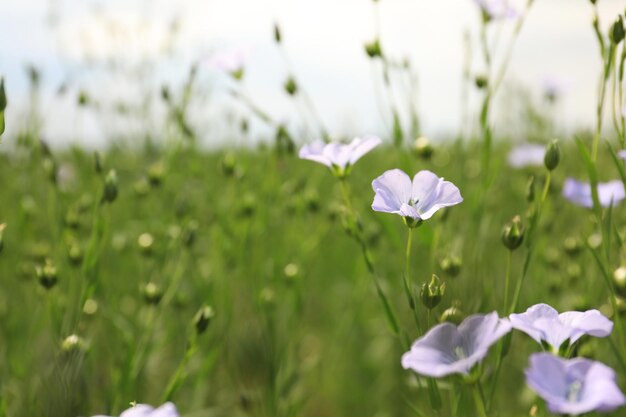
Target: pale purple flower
554,87
143,410
544,324
527,154
339,157
609,193
415,200
230,61
622,154
497,9
574,386
447,349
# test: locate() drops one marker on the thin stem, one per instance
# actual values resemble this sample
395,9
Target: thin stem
407,281
478,400
507,280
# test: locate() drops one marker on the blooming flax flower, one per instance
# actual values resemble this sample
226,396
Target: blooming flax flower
527,154
339,157
447,349
609,193
574,386
415,200
143,410
497,9
544,324
231,61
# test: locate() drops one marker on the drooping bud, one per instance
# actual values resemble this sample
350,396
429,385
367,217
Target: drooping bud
513,233
290,86
145,241
73,343
452,314
423,148
109,193
2,227
552,156
373,49
431,293
277,33
616,32
47,274
451,265
619,280
203,318
152,293
481,81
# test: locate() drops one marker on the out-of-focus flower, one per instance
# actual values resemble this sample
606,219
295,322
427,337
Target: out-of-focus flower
415,200
622,154
447,349
609,193
144,410
554,87
339,157
497,9
544,324
231,62
574,386
527,154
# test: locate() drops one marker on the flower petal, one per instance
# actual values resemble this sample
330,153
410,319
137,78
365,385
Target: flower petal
525,322
315,152
361,146
392,188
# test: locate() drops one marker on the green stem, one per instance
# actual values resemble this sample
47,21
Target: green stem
507,280
478,400
179,376
407,282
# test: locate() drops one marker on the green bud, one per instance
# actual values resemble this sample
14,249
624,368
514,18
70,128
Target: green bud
290,86
165,93
412,223
75,254
2,227
73,343
373,49
594,241
530,189
616,32
248,205
267,297
47,274
228,164
277,33
83,98
91,307
141,187
189,233
423,148
311,200
451,266
145,241
431,293
237,74
203,318
110,187
513,234
3,96
481,81
572,246
98,160
619,280
156,173
553,155
50,169
291,271
452,314
152,293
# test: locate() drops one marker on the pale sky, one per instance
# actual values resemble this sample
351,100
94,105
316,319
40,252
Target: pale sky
324,42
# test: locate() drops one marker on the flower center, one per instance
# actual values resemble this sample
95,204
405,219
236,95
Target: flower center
413,202
460,352
573,391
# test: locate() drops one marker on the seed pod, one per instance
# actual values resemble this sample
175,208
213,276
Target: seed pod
513,234
552,156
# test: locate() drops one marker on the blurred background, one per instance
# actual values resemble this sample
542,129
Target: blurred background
117,54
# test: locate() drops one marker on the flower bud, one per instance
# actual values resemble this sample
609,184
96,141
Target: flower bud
110,187
267,297
152,293
552,156
373,49
616,32
481,81
277,33
423,148
291,271
73,343
248,205
189,233
291,87
203,318
156,173
83,98
90,307
2,227
619,280
451,265
75,254
431,293
145,241
47,274
572,246
513,234
453,314
3,96
228,164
